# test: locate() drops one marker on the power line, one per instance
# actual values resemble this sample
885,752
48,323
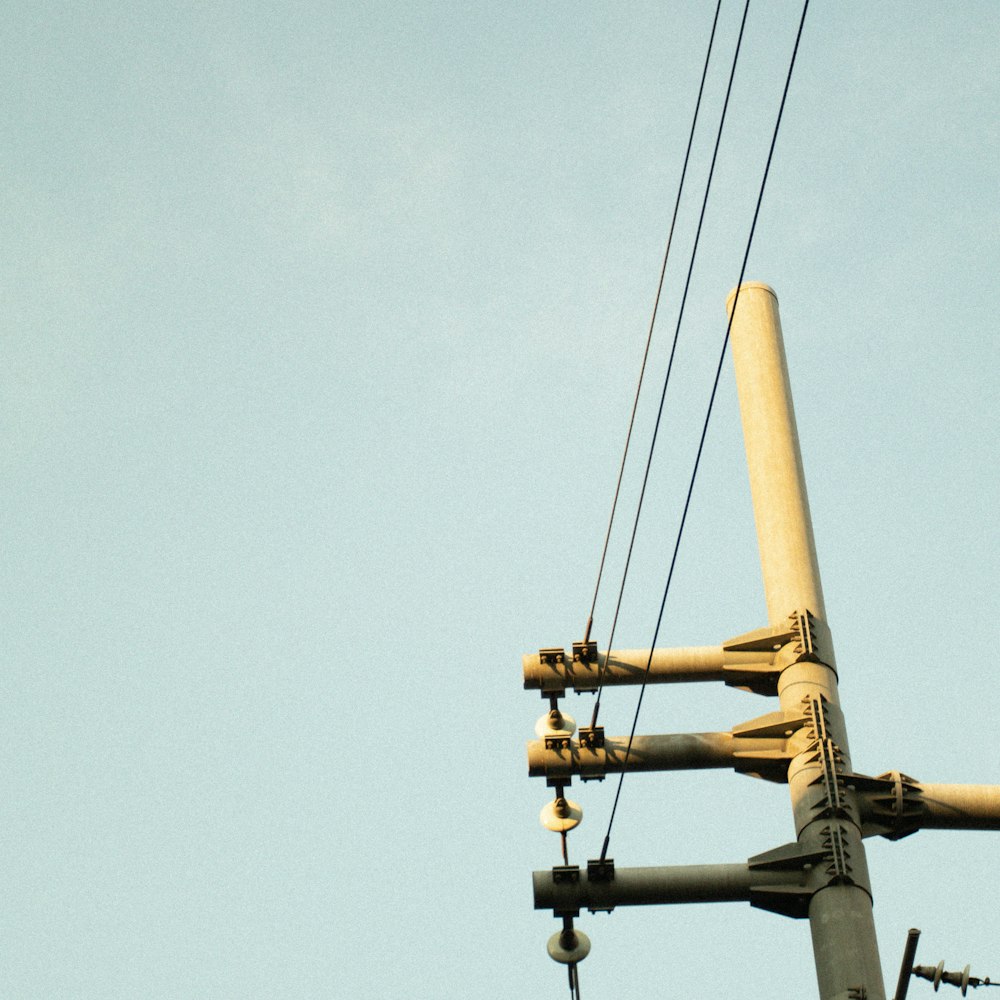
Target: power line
652,324
708,414
670,363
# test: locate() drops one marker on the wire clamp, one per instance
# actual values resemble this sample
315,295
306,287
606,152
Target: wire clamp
592,737
601,870
551,657
584,667
565,874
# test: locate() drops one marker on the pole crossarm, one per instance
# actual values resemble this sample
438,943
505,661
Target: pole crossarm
759,748
567,890
752,661
894,805
783,881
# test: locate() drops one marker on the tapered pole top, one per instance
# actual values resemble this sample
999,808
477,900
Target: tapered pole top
777,483
749,286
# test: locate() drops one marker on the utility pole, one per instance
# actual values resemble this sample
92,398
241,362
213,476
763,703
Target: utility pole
827,816
822,875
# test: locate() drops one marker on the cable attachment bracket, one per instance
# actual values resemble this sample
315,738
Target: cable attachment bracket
601,870
553,685
586,672
592,737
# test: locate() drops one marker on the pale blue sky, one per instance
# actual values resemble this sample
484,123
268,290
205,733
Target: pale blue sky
320,328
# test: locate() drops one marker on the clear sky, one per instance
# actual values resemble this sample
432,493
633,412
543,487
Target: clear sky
320,327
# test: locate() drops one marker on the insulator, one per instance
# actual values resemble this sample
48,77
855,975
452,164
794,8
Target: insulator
555,723
560,815
568,947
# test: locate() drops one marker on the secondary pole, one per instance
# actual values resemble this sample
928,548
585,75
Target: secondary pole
826,810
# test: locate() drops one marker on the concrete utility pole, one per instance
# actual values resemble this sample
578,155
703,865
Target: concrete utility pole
823,874
827,815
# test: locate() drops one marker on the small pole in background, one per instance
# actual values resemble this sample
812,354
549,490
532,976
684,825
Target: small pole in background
906,969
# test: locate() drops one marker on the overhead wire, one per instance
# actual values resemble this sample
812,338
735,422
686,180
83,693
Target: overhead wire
708,416
652,324
670,363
